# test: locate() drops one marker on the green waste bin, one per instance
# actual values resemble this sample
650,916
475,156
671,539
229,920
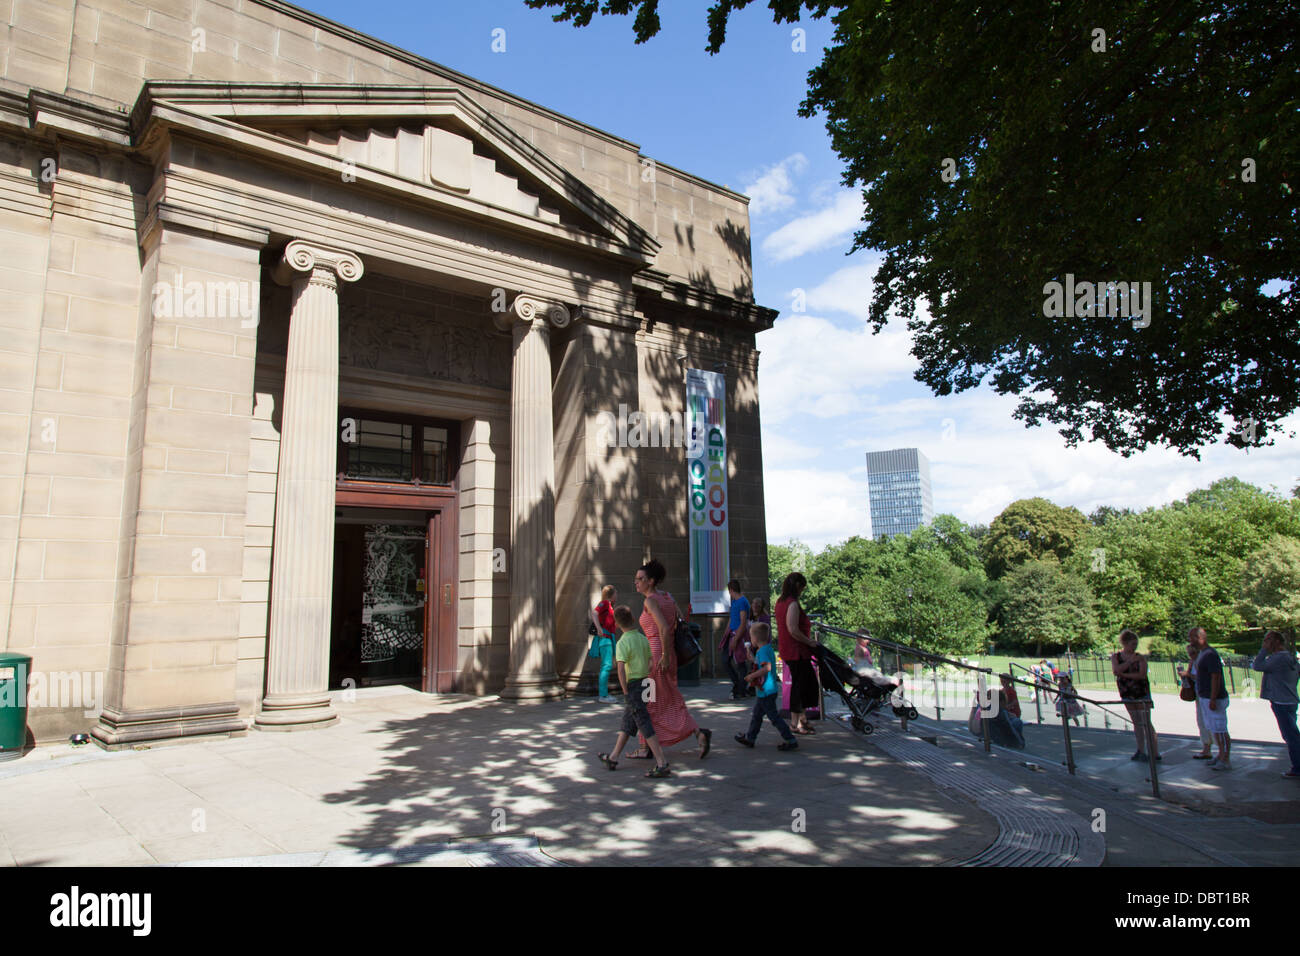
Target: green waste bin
14,669
690,674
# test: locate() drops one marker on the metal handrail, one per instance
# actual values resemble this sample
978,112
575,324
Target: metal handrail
1069,695
915,652
1099,704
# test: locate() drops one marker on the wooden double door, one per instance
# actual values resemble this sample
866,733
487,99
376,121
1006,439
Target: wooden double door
394,604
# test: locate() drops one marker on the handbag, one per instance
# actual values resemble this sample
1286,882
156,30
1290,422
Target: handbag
1188,691
685,646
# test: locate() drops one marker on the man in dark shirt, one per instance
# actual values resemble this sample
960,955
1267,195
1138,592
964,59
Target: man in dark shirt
1212,696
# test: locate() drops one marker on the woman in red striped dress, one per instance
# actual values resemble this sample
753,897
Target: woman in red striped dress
673,723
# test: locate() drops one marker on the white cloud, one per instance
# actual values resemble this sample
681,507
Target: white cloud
981,459
815,506
846,290
773,189
816,230
812,367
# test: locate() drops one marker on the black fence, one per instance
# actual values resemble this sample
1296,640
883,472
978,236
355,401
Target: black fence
1162,671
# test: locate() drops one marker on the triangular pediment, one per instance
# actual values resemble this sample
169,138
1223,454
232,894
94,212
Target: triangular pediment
436,138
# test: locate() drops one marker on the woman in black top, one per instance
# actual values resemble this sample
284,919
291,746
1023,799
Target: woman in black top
1130,670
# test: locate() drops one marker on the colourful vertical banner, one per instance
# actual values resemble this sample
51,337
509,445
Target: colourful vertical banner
706,479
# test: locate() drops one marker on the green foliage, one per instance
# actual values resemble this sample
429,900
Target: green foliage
838,572
941,615
1048,606
784,558
1168,569
1000,148
1270,585
1030,529
1225,556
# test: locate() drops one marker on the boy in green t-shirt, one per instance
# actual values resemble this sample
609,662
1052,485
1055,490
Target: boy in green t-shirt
633,657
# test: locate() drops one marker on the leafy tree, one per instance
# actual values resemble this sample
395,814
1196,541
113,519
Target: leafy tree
939,615
1167,569
1105,513
1270,585
1027,530
1047,605
784,558
1003,148
837,572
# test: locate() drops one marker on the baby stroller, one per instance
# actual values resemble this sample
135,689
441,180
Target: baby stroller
862,692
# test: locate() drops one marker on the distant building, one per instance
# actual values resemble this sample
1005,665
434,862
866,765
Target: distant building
899,485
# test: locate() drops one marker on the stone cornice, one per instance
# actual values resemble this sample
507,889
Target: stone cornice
53,114
656,288
163,214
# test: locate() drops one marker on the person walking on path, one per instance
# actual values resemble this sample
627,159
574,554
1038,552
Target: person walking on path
795,643
1212,696
602,615
1189,675
672,721
737,634
1281,672
764,678
1130,670
633,655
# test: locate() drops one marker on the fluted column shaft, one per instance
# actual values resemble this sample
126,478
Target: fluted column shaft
302,561
532,505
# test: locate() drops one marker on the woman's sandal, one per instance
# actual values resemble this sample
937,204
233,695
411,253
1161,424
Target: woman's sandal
708,740
659,772
609,764
640,755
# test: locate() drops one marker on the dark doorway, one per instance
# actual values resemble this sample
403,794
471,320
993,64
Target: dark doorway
380,624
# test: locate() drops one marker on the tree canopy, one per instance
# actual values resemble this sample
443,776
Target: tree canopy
1227,557
1270,587
1029,529
1002,149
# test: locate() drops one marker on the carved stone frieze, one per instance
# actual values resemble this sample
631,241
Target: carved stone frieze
423,346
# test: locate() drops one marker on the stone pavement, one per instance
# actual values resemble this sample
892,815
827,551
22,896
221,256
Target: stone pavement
403,771
411,779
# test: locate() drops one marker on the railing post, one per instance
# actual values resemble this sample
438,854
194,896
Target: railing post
938,711
981,692
1149,735
1065,726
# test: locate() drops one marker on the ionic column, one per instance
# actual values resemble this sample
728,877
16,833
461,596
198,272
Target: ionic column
302,559
532,503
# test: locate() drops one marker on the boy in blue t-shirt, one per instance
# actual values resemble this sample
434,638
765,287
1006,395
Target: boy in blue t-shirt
764,678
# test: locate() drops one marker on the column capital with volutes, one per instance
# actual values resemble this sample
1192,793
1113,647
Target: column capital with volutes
532,310
313,261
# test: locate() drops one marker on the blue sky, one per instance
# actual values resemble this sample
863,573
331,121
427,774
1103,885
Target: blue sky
829,390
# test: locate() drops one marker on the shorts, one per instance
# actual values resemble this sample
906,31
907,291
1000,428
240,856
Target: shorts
636,716
1216,721
803,685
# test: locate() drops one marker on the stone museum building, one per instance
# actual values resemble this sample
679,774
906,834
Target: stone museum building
302,342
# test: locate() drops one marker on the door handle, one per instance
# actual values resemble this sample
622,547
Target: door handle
446,595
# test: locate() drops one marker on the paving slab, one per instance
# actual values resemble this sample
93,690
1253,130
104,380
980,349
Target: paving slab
405,770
